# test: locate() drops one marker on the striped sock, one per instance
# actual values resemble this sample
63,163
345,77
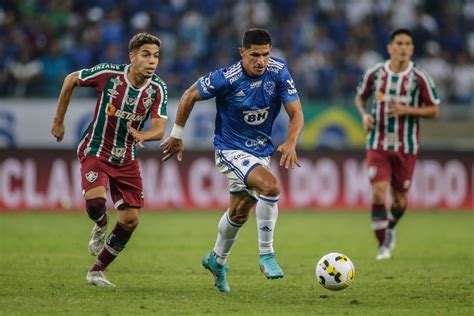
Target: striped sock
397,213
115,243
379,222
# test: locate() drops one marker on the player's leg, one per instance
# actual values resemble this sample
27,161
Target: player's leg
379,170
126,189
404,165
116,241
231,222
266,184
396,212
227,233
94,183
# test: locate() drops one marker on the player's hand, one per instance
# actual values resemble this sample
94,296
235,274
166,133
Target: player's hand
137,136
396,109
172,146
288,155
368,122
57,130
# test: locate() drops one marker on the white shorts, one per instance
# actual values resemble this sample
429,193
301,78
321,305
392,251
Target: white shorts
236,165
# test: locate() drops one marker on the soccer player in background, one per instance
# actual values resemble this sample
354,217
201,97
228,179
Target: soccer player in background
249,95
128,95
402,93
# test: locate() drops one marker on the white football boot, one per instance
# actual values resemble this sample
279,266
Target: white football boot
97,238
98,278
391,237
383,253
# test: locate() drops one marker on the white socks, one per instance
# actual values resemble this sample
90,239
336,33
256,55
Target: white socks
267,214
227,233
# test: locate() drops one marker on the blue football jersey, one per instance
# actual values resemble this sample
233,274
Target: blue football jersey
247,106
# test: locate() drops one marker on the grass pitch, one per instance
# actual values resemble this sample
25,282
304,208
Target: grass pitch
44,259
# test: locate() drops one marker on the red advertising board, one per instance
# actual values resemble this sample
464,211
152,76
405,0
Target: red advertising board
50,180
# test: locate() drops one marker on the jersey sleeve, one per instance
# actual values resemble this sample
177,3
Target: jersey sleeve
364,88
212,84
287,89
95,77
428,94
159,108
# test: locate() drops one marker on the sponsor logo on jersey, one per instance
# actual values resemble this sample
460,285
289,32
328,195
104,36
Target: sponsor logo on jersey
116,81
112,93
255,84
235,78
382,97
129,116
292,89
131,101
91,176
269,87
257,144
110,110
206,84
150,90
118,152
240,94
104,66
240,155
256,117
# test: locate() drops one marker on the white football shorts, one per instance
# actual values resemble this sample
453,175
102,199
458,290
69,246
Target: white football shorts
236,165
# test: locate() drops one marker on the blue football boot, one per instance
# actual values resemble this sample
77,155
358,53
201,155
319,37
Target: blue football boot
270,267
218,271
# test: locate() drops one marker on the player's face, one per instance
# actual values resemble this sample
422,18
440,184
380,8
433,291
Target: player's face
145,59
255,59
401,48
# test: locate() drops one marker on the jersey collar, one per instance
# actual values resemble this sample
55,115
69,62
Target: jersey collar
403,73
125,74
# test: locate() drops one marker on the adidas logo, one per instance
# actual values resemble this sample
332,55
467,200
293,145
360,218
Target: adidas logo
240,94
265,229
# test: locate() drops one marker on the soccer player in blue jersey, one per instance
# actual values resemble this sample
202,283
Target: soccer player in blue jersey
249,95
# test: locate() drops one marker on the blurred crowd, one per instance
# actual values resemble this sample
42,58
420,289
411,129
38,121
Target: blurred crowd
327,43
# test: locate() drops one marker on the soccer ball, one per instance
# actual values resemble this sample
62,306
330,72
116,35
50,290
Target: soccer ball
335,271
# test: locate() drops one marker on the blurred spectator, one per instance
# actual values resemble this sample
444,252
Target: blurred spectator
55,67
23,69
326,42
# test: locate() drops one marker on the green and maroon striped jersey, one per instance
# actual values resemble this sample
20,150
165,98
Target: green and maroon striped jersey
413,87
118,103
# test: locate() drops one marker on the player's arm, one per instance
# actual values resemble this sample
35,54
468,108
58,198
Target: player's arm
70,82
174,144
400,109
155,132
367,119
295,127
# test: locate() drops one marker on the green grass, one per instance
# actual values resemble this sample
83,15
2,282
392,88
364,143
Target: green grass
44,258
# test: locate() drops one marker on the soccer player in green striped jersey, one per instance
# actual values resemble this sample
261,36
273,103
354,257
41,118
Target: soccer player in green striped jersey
402,93
128,96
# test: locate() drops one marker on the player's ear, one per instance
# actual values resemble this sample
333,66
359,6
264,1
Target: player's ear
131,55
241,51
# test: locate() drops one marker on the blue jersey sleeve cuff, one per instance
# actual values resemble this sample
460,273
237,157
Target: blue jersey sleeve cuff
291,99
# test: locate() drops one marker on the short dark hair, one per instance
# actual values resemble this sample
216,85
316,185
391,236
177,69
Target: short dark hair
256,36
400,31
140,39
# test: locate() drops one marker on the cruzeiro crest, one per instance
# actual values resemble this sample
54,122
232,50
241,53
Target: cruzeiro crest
91,176
269,87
